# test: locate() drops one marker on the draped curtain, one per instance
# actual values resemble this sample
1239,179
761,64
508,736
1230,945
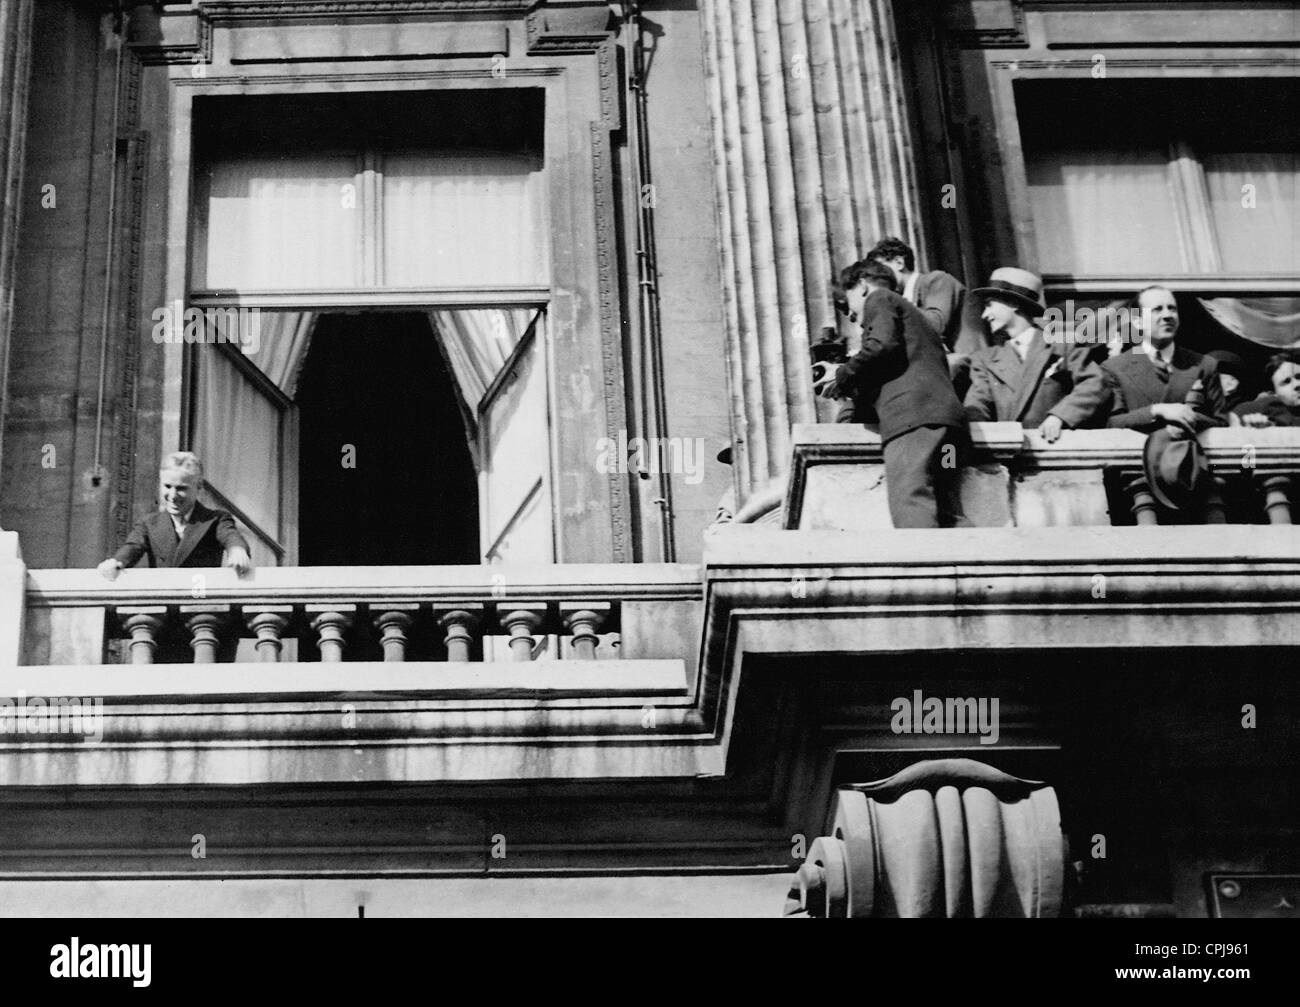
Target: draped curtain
477,342
238,436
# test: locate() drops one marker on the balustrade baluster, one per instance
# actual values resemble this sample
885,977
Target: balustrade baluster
1142,500
394,623
331,622
268,623
143,622
204,623
459,623
1216,510
583,620
521,620
1277,498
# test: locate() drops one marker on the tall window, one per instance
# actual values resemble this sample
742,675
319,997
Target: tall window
1179,177
434,202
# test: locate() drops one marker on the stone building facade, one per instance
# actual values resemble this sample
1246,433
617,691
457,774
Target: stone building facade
459,300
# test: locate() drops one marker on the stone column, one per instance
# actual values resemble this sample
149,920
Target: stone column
15,73
814,164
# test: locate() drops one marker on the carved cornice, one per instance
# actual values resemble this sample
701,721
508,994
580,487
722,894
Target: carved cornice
190,38
572,28
1010,33
263,10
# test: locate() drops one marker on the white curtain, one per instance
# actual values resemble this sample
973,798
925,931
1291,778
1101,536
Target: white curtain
281,224
1254,203
477,342
238,438
1095,211
464,219
283,338
1269,321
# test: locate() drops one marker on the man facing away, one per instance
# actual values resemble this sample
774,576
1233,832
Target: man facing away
1150,384
901,369
1022,378
183,533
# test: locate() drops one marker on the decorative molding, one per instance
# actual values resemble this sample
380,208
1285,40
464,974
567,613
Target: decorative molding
568,28
611,92
280,80
236,10
1085,65
611,344
127,403
914,844
178,49
997,36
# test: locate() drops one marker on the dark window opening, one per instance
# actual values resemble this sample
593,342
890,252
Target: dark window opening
376,382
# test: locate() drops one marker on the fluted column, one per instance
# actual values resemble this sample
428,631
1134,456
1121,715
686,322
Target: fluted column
814,165
15,73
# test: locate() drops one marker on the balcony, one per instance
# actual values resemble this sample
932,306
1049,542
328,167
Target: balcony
670,714
1020,481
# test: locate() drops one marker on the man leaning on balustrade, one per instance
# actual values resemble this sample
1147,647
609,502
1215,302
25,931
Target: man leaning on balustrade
182,533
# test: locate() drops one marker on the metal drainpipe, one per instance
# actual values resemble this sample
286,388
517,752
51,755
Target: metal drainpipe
109,258
653,407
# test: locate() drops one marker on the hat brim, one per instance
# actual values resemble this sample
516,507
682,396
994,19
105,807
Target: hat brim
1032,308
1155,445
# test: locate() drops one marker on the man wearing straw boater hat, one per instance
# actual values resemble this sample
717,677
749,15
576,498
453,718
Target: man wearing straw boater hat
1020,377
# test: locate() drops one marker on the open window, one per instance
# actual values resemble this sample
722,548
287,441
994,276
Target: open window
393,260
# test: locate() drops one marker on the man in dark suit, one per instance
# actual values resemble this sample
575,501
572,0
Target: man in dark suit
183,533
940,296
1150,385
902,371
1022,378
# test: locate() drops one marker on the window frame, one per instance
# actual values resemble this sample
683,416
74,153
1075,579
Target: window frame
581,299
1002,77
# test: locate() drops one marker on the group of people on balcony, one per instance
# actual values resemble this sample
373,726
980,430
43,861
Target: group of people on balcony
907,376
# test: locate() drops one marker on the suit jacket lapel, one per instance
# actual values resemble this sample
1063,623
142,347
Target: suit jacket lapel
162,536
194,531
1004,362
1031,375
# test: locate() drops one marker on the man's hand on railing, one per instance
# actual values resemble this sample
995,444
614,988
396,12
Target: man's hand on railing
109,569
1174,412
239,561
1050,429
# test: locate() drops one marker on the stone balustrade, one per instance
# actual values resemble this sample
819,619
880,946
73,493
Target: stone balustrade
1016,479
385,614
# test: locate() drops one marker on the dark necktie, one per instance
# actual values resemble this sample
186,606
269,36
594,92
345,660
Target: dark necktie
1162,367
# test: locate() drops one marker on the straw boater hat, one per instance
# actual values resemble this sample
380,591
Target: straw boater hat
1020,286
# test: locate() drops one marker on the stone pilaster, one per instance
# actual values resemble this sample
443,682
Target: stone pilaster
814,165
